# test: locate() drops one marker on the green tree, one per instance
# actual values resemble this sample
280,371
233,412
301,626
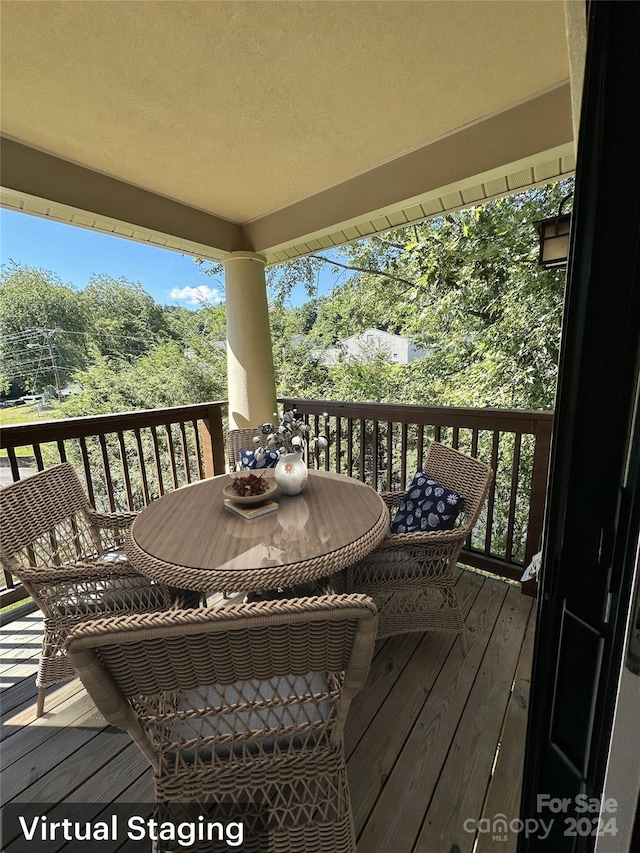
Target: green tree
169,375
43,329
124,320
203,327
466,288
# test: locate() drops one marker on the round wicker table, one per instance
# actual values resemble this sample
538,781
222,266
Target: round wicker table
188,539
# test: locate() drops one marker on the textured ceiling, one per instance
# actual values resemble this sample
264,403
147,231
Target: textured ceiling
242,108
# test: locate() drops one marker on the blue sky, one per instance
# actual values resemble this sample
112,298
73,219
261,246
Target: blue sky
75,254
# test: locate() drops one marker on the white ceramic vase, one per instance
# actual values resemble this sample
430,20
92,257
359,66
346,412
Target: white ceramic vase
291,473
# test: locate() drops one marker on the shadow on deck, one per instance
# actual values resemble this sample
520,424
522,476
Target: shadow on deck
434,742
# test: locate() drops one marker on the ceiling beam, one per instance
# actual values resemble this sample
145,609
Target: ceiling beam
34,173
479,151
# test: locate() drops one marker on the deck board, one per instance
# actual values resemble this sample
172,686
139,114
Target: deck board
467,771
420,739
506,783
426,745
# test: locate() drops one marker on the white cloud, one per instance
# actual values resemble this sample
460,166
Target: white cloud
201,295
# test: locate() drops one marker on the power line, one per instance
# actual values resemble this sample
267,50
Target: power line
26,333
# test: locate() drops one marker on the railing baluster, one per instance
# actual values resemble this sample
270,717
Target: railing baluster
492,492
199,460
107,472
350,448
125,469
363,443
13,464
455,440
327,453
143,466
156,456
87,470
185,453
37,452
338,444
387,485
403,457
375,450
420,447
62,452
474,443
511,518
172,456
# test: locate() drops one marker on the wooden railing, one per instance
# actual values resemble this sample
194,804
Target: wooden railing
128,460
384,445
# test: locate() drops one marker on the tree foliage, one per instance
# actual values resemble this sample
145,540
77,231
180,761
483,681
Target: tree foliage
42,325
166,376
465,287
123,321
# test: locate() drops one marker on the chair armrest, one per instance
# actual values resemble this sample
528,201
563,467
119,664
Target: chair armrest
74,572
393,499
402,541
112,520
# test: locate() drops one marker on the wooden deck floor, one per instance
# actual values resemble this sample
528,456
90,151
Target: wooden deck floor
434,742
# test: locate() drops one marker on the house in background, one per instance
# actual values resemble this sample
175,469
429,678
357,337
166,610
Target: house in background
397,348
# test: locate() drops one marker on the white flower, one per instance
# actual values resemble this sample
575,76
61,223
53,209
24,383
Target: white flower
290,435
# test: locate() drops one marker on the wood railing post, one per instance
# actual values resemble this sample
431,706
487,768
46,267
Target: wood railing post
212,442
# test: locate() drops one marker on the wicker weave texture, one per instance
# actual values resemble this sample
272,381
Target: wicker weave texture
410,575
66,556
241,704
268,577
241,439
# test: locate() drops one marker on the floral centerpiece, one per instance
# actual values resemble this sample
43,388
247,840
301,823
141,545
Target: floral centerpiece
290,438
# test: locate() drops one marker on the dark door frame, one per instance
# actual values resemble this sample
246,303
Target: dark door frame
592,518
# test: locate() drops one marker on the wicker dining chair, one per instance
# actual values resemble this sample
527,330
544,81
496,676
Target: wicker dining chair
70,560
239,706
410,575
241,439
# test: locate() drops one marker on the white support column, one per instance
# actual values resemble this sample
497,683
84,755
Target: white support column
250,376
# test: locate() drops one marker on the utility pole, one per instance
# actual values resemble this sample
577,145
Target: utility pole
48,335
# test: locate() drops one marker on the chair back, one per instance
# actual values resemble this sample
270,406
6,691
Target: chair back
45,520
241,439
462,474
243,683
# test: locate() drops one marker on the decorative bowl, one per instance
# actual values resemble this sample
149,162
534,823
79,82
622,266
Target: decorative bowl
251,500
